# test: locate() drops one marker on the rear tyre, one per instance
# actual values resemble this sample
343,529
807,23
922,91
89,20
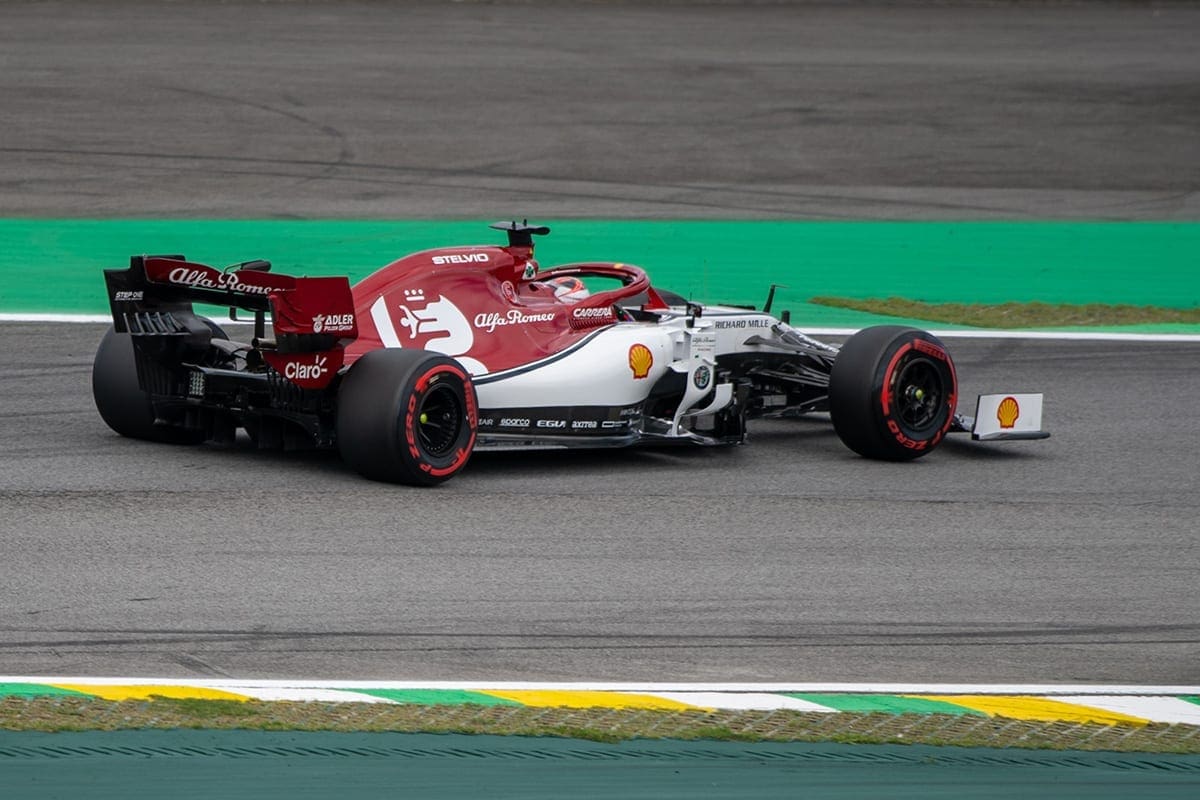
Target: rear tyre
406,416
892,393
122,404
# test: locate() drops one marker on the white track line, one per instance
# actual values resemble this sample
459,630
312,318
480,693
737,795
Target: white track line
1159,709
75,318
271,694
9,316
747,701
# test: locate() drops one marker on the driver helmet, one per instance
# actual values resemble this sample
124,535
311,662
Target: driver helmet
568,288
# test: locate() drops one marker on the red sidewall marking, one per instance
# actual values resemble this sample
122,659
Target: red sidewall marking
410,423
885,396
410,429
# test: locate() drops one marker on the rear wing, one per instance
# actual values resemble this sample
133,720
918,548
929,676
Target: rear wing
312,318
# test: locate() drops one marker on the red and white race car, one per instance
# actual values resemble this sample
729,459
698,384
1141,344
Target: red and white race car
447,351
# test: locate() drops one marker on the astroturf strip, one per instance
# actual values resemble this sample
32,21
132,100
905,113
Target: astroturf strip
65,713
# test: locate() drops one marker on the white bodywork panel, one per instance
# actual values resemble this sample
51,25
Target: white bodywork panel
596,373
599,371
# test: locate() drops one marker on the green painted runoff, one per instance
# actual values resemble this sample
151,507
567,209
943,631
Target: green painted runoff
54,265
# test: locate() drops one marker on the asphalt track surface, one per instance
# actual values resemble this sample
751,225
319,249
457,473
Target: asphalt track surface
788,559
602,109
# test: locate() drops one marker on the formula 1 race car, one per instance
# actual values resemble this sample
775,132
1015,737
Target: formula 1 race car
463,348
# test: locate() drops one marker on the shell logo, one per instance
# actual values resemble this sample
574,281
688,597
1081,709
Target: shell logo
640,360
1008,412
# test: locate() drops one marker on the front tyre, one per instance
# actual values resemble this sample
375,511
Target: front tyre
406,416
892,393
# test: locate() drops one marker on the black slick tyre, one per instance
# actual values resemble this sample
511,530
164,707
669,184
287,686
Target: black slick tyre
406,416
122,403
892,393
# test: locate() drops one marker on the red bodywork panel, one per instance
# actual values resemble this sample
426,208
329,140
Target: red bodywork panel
189,274
488,307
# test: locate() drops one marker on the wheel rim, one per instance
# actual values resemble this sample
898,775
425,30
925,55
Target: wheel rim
919,390
439,421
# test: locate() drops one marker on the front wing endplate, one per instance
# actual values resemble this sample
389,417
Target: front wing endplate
1000,417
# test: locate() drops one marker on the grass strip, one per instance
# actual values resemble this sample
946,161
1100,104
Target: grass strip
1017,315
66,713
